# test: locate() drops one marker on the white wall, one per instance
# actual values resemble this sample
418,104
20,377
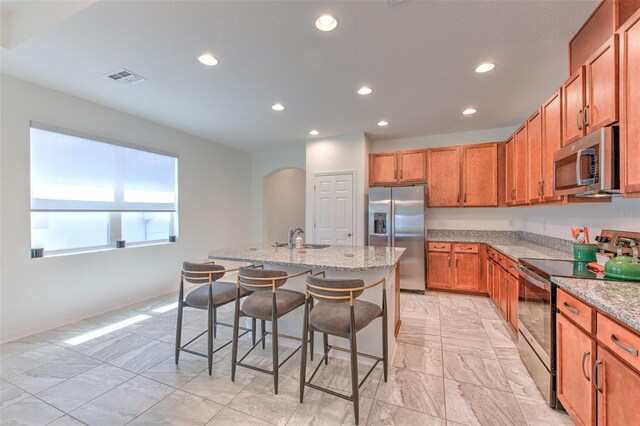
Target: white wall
262,165
37,294
284,203
556,221
338,154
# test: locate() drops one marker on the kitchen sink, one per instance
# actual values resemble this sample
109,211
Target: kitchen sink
315,246
278,244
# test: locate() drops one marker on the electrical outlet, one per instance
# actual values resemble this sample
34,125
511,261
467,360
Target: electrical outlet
442,223
544,225
512,224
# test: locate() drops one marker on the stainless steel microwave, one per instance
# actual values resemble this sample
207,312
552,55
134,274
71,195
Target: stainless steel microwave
589,167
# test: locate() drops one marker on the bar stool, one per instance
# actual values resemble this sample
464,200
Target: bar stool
267,302
338,313
211,295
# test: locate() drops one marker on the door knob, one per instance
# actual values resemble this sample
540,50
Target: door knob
348,235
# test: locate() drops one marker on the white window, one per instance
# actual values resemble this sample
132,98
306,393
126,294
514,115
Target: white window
87,193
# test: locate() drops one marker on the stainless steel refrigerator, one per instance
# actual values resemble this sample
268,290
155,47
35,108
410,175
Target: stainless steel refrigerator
396,219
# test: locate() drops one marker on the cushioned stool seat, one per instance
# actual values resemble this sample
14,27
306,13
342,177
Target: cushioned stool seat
259,304
222,293
334,317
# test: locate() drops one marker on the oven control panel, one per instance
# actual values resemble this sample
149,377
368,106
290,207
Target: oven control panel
610,240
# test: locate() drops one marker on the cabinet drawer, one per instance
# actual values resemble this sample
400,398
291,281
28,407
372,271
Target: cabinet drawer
511,267
439,246
621,341
501,259
576,310
465,248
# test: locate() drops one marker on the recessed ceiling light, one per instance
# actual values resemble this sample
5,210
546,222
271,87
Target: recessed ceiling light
277,107
469,111
365,90
485,67
314,133
326,22
383,123
208,59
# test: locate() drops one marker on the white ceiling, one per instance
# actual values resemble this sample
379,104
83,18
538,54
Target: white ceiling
419,57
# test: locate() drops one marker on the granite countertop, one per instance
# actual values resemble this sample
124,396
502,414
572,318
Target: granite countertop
338,258
619,299
508,243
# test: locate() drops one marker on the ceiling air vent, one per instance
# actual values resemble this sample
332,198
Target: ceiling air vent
125,76
391,3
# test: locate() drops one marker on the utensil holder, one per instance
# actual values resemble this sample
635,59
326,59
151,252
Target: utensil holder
584,252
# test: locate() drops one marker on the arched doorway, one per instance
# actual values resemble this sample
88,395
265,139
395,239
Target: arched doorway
283,203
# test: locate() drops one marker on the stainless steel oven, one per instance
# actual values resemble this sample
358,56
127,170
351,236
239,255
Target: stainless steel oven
589,166
536,328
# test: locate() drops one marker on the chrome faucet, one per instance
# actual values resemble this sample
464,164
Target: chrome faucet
292,233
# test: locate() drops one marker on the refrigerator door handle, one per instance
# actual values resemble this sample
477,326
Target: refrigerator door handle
392,235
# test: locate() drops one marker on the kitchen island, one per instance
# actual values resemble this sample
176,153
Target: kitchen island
361,262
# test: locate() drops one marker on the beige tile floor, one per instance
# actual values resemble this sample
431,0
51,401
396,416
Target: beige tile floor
456,363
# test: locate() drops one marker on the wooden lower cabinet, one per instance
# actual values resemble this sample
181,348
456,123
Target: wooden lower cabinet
598,381
439,270
489,275
619,391
454,270
576,353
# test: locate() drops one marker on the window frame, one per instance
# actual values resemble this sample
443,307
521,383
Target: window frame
115,217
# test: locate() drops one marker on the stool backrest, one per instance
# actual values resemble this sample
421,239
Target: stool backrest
200,273
263,279
319,288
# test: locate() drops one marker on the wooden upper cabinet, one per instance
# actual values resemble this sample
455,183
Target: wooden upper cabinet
520,139
619,397
551,142
630,106
510,172
412,166
601,107
480,175
534,157
573,101
443,177
576,353
382,169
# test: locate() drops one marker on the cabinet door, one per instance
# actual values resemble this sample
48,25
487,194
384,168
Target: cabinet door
443,177
466,271
601,108
438,270
412,166
496,283
382,169
511,172
630,125
573,98
522,179
576,352
480,175
534,157
503,303
551,141
619,399
512,291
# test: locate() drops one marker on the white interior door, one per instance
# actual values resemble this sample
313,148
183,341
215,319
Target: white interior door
334,207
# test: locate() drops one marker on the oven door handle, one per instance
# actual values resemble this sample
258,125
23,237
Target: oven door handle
533,278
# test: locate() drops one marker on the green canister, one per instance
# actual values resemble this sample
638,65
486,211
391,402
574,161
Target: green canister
584,252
